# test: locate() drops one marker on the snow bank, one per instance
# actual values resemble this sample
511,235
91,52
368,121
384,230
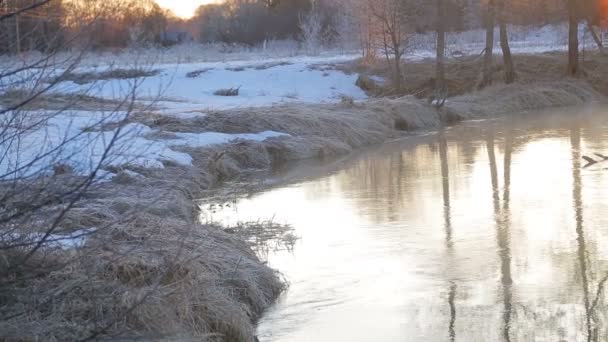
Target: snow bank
212,138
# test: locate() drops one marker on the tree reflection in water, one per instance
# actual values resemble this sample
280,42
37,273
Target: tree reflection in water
445,183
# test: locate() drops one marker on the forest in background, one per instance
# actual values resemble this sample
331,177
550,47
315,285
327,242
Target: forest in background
102,24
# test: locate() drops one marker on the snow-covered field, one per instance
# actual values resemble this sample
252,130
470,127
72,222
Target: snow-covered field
261,83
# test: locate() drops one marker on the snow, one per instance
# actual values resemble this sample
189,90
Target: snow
72,240
75,139
260,84
210,138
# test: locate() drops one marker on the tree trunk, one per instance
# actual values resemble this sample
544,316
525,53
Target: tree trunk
397,56
596,38
486,79
440,86
398,76
504,44
573,38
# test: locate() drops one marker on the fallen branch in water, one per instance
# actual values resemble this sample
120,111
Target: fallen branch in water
590,161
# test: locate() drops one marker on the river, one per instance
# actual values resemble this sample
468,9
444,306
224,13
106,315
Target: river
487,231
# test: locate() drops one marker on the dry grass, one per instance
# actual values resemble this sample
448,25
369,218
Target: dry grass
262,66
462,74
58,101
264,236
112,74
227,92
270,65
197,73
506,99
149,272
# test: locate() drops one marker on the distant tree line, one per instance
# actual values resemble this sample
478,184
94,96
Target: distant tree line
125,23
254,21
63,24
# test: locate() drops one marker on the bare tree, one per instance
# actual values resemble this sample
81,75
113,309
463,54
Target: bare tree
496,10
504,44
390,16
440,86
486,77
573,44
311,27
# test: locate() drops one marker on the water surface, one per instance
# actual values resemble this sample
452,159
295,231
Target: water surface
487,231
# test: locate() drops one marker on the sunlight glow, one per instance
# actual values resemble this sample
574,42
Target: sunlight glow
604,12
183,8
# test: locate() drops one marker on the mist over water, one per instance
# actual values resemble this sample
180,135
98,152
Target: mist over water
488,231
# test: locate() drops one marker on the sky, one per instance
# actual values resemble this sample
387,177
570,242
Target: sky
183,8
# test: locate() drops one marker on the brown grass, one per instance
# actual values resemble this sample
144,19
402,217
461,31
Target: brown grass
113,74
151,271
197,73
462,74
58,101
227,92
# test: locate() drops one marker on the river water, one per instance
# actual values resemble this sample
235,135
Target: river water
487,231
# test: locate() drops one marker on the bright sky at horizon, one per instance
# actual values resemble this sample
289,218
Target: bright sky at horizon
183,8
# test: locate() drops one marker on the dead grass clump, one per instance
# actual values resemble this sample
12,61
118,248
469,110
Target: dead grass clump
197,73
168,279
291,95
58,101
113,74
462,74
367,84
402,125
236,69
149,271
505,99
270,65
227,92
346,100
264,236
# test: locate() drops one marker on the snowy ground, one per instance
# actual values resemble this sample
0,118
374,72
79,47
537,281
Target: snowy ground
261,83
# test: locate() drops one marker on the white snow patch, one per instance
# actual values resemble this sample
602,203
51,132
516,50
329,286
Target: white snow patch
213,138
68,138
72,240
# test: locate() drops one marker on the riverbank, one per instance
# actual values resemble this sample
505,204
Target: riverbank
155,270
463,73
